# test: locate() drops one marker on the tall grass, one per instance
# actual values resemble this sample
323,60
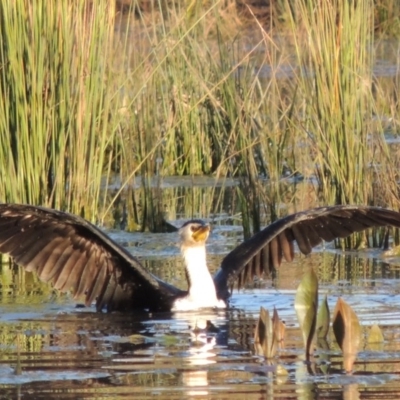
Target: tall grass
353,162
217,111
336,87
87,94
58,99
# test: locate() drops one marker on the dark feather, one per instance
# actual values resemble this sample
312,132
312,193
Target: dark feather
53,270
83,284
275,252
301,238
74,254
286,246
45,259
307,229
67,270
97,286
265,266
28,251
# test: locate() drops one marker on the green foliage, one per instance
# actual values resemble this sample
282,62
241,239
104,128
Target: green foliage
323,319
306,304
387,18
375,339
57,102
375,335
338,98
87,94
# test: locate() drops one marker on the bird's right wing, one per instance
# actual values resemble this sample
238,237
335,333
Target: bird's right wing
264,251
73,254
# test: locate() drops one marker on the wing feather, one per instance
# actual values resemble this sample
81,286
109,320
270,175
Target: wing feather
83,284
45,259
275,252
53,270
73,254
107,295
266,265
98,286
66,269
300,235
286,246
256,269
307,229
28,252
12,244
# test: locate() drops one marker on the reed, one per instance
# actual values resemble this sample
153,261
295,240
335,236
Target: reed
58,99
335,84
347,143
387,18
91,96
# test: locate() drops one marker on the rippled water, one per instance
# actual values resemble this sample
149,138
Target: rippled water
51,349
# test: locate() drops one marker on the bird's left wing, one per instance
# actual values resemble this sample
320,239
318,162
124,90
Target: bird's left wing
264,251
73,254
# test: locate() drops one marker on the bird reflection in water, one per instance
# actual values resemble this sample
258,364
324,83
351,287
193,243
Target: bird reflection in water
203,339
201,353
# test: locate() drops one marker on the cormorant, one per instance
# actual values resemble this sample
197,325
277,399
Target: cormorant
75,255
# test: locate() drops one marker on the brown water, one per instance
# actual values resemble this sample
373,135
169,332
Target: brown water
51,349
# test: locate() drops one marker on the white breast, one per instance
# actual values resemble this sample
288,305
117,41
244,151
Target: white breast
202,292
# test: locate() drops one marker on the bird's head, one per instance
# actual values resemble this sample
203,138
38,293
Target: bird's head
194,233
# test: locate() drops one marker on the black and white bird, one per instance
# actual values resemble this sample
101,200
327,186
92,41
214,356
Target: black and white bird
76,256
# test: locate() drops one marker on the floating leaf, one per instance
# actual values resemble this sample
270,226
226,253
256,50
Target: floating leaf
375,339
137,339
347,330
265,342
375,334
281,375
306,307
323,319
168,340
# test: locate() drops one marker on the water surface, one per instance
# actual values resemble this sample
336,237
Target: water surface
49,348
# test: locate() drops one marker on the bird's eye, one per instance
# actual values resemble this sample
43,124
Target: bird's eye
193,228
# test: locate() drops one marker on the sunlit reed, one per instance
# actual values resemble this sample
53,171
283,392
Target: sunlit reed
89,93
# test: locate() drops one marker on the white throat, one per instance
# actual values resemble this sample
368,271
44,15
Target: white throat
202,292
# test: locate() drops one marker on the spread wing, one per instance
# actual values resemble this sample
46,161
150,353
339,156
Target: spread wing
75,255
264,251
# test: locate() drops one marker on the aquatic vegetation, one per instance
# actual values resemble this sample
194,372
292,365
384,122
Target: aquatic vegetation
92,94
306,305
345,325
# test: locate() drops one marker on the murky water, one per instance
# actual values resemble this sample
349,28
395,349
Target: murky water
51,349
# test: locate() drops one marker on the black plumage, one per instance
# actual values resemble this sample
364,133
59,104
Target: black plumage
73,254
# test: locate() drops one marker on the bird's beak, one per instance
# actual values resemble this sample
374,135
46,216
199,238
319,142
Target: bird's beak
202,233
